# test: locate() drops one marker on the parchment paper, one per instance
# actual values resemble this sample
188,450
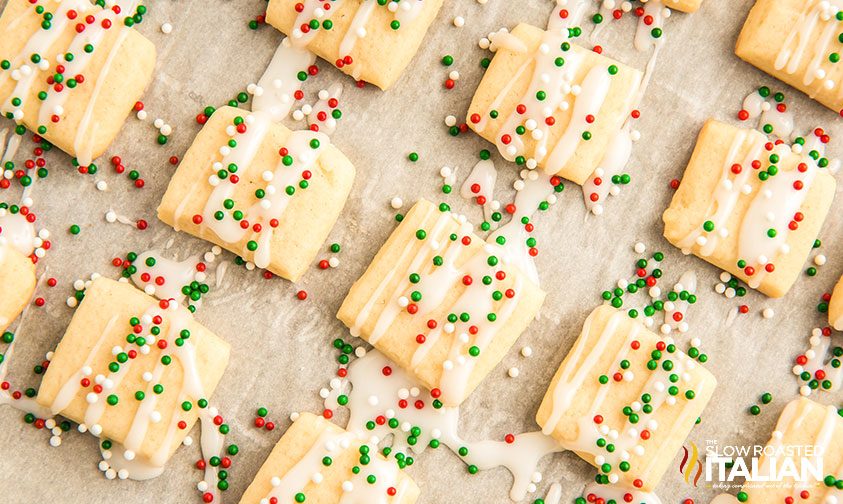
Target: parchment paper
281,346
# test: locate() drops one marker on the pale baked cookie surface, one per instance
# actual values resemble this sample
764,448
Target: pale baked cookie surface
835,306
440,302
109,66
362,38
255,188
17,282
749,207
796,41
315,459
803,425
131,369
616,364
546,100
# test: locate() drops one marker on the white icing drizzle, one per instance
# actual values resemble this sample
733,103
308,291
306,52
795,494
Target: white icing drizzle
373,394
780,121
643,34
481,182
809,40
675,311
321,115
268,210
166,277
17,232
819,358
279,83
600,185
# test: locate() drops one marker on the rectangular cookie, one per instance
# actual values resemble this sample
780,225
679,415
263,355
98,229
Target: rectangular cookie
802,424
110,66
133,390
797,41
366,39
314,460
440,302
609,369
569,101
17,282
760,231
287,187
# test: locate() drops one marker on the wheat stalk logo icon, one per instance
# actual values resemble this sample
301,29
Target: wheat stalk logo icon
691,460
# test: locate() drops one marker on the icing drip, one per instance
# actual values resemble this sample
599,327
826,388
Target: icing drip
322,114
480,183
373,395
657,12
16,231
675,311
502,39
165,278
773,118
601,183
276,89
301,151
819,362
809,41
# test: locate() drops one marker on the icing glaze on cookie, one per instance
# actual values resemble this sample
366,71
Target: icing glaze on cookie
315,15
231,223
809,39
774,208
384,485
611,446
83,48
280,81
432,274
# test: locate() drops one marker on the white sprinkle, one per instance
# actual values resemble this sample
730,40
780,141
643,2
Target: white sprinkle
768,313
513,372
167,28
640,248
526,351
459,21
820,260
396,203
